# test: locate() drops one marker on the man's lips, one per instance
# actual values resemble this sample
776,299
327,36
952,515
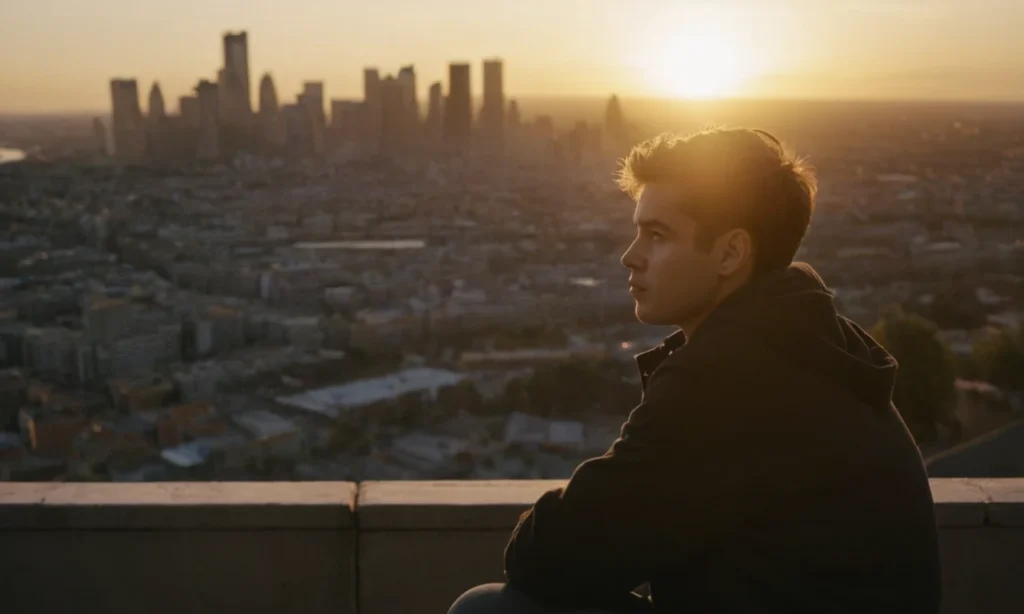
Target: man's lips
636,288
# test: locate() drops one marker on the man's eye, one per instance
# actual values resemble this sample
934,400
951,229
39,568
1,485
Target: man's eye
656,235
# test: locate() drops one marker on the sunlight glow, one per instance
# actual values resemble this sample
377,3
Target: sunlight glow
701,59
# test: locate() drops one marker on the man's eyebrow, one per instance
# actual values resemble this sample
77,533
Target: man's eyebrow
651,223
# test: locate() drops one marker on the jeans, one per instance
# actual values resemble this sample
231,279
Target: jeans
500,599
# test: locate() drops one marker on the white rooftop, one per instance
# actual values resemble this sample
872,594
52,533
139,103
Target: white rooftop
263,424
331,400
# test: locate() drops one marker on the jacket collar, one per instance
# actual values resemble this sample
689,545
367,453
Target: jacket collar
648,361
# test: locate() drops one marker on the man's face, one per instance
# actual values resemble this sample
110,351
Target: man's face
672,281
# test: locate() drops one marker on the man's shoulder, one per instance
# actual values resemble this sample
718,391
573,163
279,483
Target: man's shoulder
722,349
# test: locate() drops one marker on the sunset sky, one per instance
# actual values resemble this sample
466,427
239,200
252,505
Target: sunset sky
59,55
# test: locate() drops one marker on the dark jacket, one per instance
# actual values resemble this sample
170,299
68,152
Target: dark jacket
765,470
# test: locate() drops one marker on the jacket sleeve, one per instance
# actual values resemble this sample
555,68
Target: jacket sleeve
622,514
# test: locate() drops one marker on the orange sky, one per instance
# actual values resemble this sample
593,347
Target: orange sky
60,54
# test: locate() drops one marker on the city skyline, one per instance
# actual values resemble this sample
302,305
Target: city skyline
781,49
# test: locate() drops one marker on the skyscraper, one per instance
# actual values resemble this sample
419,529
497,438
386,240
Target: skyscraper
271,128
99,135
312,97
371,96
435,112
347,120
615,125
268,95
394,128
156,125
492,114
128,127
407,81
234,95
208,138
156,103
513,126
458,111
188,108
236,69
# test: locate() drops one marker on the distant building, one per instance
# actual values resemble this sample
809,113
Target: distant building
394,131
99,135
208,130
236,67
234,93
269,121
433,127
158,140
59,354
458,111
188,108
371,96
492,113
297,129
156,103
312,98
513,125
128,124
407,81
347,120
615,125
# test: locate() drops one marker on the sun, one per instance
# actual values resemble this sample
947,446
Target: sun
701,66
699,60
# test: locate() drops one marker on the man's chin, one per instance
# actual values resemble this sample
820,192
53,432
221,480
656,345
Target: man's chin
647,316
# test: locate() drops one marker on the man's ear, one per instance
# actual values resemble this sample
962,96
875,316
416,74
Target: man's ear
735,251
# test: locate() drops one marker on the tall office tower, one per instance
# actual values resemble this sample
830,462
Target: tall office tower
156,103
435,113
394,127
347,118
312,97
99,135
234,94
299,122
513,126
236,69
371,96
208,137
188,108
458,111
615,124
128,126
513,118
492,114
271,128
157,141
268,96
407,80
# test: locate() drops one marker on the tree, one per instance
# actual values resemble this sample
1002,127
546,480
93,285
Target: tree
925,389
1000,358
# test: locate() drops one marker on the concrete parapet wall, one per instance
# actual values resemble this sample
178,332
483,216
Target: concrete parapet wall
372,548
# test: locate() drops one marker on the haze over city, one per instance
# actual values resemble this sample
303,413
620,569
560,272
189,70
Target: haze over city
59,55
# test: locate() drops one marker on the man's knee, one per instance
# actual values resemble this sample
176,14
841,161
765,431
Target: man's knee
483,599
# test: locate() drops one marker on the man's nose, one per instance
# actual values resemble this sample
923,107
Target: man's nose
630,259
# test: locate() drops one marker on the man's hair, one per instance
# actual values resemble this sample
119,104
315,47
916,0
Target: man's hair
731,178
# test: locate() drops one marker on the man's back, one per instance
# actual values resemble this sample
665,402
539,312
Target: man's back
765,470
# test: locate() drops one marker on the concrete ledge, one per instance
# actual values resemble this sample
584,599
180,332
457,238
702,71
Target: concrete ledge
959,502
448,505
1005,502
177,505
307,546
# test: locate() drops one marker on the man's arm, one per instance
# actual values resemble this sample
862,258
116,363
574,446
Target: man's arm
621,514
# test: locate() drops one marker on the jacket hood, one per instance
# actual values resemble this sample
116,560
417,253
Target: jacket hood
795,313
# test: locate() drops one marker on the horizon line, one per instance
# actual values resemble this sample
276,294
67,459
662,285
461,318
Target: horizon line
640,98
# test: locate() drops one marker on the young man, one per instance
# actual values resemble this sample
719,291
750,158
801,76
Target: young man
766,468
